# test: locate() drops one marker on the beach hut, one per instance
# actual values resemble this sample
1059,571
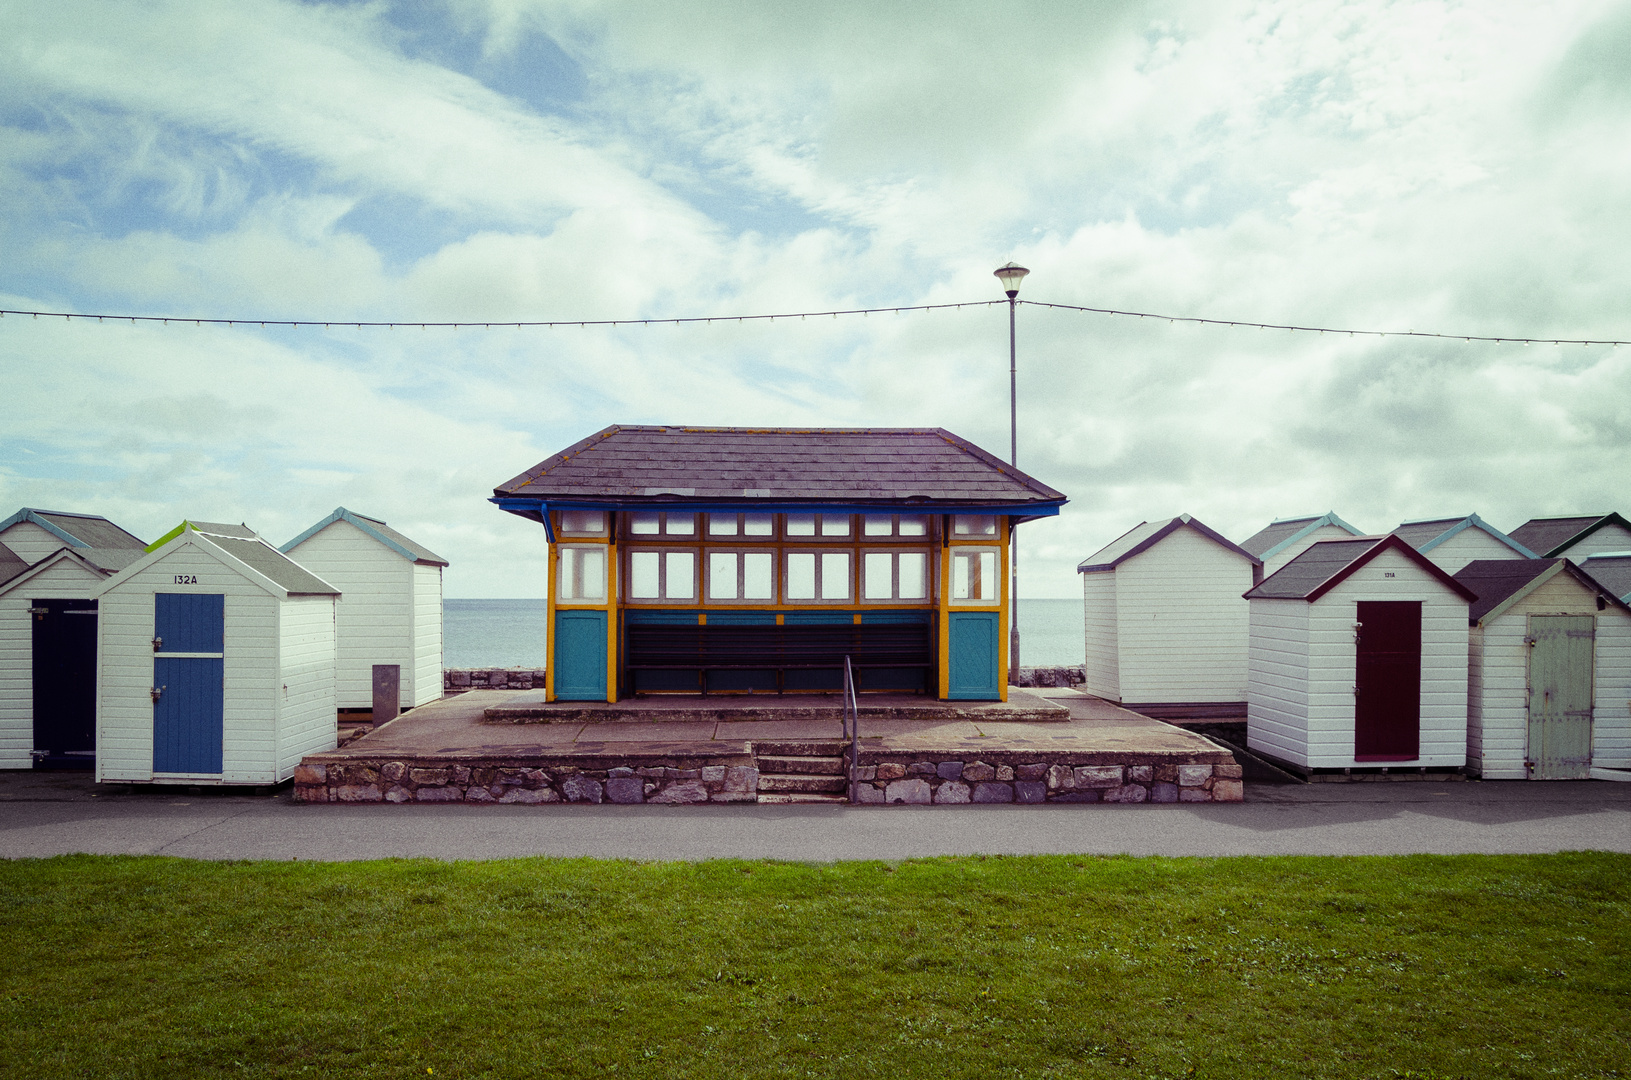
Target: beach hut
1166,626
1549,685
1575,537
1454,542
216,662
48,655
1358,659
390,609
1283,539
1612,569
34,534
704,560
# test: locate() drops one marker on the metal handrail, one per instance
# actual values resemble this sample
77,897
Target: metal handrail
852,728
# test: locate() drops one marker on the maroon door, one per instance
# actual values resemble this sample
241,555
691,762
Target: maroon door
1387,683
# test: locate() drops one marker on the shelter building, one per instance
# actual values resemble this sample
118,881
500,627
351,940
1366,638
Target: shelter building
216,662
1165,623
1283,539
1358,659
704,560
390,608
1549,680
1454,542
1576,537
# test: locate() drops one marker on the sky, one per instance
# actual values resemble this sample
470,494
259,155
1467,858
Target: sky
1431,166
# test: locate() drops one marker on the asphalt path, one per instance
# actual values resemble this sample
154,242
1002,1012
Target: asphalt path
57,814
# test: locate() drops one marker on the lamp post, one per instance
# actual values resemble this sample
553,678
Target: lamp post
1011,274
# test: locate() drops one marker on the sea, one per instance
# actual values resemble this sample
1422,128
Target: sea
514,633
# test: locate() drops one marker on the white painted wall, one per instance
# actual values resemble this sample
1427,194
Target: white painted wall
1277,679
1498,738
1312,710
1324,532
306,714
251,683
67,580
30,542
1099,611
1608,538
1467,545
1181,623
427,636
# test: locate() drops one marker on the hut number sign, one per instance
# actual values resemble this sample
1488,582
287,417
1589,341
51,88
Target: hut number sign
186,579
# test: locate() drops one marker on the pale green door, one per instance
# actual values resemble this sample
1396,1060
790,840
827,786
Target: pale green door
1560,691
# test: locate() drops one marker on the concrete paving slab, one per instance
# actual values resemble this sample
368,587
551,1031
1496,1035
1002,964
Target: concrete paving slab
529,707
688,731
779,730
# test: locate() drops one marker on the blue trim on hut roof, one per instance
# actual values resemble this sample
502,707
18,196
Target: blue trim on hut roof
375,528
99,531
1283,542
1408,530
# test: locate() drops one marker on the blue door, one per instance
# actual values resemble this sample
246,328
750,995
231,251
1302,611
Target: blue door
188,634
972,666
580,655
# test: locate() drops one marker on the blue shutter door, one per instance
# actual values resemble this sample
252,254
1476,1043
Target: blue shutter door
972,670
580,655
188,715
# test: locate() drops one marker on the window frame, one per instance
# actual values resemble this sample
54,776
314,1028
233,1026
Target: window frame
698,585
992,550
602,533
694,536
741,576
894,535
563,556
819,580
894,554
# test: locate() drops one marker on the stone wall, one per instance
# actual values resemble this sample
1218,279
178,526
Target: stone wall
1048,676
632,780
898,779
458,680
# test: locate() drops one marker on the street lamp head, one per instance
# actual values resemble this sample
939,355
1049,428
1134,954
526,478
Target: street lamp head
1010,276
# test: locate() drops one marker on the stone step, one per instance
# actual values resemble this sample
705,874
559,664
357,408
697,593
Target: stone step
803,797
799,747
782,763
782,783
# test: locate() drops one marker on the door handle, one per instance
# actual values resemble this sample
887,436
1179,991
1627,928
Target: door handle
157,692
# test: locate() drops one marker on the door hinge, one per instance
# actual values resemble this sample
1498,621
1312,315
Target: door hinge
158,643
158,691
39,611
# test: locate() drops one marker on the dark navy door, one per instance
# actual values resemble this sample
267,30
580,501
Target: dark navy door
188,635
64,683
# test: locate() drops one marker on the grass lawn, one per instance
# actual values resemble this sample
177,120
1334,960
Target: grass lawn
1472,966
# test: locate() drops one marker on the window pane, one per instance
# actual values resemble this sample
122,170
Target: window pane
643,575
681,524
878,525
801,576
682,571
914,525
835,575
800,524
974,525
962,571
974,575
583,521
721,524
988,576
758,575
834,524
879,570
759,524
583,574
722,575
914,578
643,522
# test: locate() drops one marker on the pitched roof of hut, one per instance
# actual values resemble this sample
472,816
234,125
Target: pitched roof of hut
1427,534
1281,533
1613,569
76,530
1327,563
375,528
702,468
11,563
244,545
1500,583
1146,535
1552,536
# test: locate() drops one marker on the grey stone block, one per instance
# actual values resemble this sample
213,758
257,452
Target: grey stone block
1193,775
1098,776
1140,774
581,789
914,790
625,789
870,794
1163,792
1030,791
922,768
993,792
951,791
978,772
620,771
949,770
1037,770
683,791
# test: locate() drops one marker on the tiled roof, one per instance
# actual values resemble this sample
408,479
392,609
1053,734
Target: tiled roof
1145,536
272,563
1424,536
11,564
1417,533
836,466
1550,536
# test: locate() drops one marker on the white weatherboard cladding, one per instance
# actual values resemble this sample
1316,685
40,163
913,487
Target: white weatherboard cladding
1099,611
66,580
1498,709
382,611
1305,705
30,542
1324,532
1610,537
1181,624
253,674
1467,545
306,721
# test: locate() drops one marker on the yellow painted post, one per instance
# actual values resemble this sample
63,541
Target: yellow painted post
549,621
611,610
943,603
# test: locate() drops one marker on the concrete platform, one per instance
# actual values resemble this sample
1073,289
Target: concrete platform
1042,745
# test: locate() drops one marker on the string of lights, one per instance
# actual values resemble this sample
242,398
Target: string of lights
710,319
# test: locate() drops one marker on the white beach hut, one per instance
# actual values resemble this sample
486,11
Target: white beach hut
215,663
1574,537
1454,542
390,609
1549,685
1165,622
33,534
1283,539
1358,659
